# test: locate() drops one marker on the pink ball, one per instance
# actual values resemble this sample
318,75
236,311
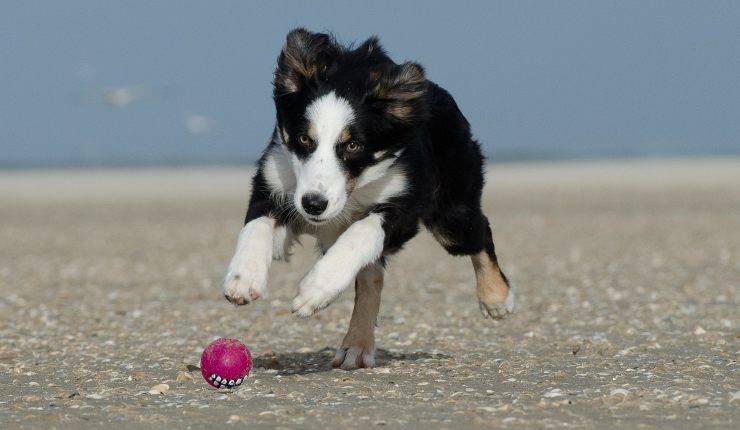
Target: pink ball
225,363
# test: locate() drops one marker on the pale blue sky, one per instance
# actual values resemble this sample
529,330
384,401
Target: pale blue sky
536,79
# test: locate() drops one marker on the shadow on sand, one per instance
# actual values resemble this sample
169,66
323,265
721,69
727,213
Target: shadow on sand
302,363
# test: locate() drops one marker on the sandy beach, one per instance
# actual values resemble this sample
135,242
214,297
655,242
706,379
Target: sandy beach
627,275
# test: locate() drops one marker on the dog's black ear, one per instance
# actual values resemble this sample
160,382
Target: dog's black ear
399,91
304,55
371,48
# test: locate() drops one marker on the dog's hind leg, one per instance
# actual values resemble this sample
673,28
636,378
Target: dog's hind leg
495,294
470,234
358,346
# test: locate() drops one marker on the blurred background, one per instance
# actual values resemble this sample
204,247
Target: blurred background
189,82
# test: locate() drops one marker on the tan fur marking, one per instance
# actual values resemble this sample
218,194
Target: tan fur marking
312,132
406,85
300,58
400,88
361,333
492,289
442,237
346,135
399,111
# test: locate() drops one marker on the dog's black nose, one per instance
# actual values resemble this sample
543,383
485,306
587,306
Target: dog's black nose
314,203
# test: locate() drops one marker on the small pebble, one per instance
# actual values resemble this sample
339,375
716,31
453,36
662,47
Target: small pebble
556,392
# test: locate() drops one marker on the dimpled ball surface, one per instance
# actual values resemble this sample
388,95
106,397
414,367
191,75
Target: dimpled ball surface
225,363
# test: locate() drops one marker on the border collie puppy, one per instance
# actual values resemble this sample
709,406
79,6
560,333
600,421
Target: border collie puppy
364,151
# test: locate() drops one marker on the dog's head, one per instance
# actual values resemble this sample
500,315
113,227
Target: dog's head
342,113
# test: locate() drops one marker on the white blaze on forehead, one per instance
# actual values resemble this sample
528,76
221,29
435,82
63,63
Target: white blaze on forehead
328,116
321,172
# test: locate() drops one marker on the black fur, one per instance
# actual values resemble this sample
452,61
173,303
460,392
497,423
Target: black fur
398,108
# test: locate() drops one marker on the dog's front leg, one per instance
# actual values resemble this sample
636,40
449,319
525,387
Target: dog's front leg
360,245
246,279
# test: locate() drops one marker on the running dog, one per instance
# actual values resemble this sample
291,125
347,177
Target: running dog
364,151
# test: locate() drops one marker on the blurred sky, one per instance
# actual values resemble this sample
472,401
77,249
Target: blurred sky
168,82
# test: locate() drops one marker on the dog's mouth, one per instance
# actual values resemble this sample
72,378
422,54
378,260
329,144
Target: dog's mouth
315,220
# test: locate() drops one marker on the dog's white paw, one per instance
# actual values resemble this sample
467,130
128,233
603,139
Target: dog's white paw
314,294
246,280
354,357
245,285
498,310
309,302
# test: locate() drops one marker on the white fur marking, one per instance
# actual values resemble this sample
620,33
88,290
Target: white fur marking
322,173
285,136
510,302
277,172
247,275
278,242
329,115
379,183
282,243
361,244
374,172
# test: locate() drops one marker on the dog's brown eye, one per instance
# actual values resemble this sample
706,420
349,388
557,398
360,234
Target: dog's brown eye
304,139
352,147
